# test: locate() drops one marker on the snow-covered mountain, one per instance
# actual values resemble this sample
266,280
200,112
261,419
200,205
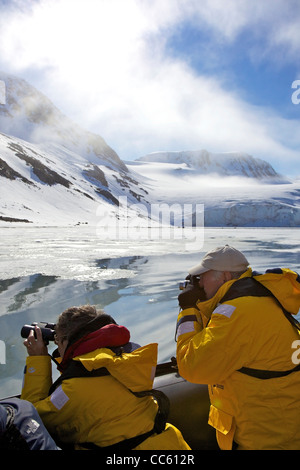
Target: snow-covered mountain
250,194
50,184
52,172
31,116
224,164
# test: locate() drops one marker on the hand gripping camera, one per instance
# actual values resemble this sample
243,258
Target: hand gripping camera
189,280
47,329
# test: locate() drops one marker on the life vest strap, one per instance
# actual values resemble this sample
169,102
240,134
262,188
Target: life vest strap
77,369
126,444
249,286
267,374
159,424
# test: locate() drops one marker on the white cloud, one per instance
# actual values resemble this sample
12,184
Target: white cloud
104,63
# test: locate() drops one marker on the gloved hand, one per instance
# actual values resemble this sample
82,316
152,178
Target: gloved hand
190,295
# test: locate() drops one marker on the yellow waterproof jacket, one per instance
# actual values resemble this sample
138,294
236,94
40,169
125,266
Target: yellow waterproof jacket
100,410
215,340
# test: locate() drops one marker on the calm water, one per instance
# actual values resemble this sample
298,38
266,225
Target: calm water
45,270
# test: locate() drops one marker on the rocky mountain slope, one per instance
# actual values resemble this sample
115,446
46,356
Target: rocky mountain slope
52,172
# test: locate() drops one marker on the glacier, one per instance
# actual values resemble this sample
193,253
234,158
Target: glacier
53,172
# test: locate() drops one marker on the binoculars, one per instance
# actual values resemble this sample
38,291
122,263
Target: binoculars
47,329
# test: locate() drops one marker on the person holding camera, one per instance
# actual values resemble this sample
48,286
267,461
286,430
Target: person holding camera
103,399
236,333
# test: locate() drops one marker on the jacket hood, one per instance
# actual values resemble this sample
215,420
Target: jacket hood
135,370
282,282
284,285
111,335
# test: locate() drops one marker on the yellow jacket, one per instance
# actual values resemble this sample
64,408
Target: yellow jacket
101,410
215,340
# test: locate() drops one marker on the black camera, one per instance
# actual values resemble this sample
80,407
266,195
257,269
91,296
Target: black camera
189,280
184,284
47,329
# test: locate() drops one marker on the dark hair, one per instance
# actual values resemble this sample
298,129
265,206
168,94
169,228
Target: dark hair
75,322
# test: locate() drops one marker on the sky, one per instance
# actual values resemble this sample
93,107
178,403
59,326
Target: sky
166,75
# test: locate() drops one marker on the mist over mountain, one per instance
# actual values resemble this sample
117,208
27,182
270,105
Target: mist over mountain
53,172
31,116
222,164
235,189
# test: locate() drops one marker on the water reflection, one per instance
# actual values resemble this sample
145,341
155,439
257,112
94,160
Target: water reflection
42,298
138,291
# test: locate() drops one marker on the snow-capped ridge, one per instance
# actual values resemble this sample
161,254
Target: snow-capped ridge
224,164
237,199
49,184
52,172
30,115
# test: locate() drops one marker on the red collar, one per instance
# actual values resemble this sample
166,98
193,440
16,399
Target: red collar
108,336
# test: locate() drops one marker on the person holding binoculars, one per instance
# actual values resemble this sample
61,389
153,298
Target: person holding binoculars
103,398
